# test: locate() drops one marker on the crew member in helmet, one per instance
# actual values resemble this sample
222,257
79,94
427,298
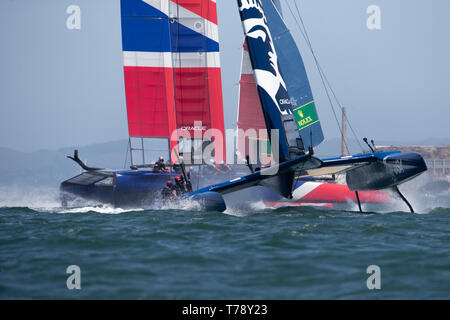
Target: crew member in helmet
180,185
177,164
160,166
169,191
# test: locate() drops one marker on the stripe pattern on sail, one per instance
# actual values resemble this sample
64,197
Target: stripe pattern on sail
172,66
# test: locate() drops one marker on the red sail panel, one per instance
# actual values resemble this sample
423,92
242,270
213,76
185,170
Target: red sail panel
198,98
147,101
171,114
203,8
216,110
250,114
196,63
192,98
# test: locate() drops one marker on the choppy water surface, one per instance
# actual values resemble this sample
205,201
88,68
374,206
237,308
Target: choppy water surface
287,253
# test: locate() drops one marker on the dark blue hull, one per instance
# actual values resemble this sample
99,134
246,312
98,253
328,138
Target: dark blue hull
142,188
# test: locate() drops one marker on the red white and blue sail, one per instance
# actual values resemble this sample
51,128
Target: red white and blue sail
172,67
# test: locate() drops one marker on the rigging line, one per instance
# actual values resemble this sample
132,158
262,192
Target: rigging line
206,106
326,79
323,72
174,85
139,101
126,154
175,56
180,70
325,83
318,68
341,107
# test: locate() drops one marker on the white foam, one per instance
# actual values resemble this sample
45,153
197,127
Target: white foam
47,200
179,204
38,199
98,209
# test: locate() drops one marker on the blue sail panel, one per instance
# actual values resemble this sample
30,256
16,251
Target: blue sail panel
149,34
138,8
147,28
277,5
272,90
184,39
145,34
295,76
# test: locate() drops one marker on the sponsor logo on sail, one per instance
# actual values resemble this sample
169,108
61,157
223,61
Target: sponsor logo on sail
292,101
193,128
306,115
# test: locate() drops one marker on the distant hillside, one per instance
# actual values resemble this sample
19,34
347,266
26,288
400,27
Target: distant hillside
49,168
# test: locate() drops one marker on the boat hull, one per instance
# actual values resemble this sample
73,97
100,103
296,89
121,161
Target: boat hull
392,170
142,189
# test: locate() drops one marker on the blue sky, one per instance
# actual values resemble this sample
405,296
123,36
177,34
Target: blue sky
61,87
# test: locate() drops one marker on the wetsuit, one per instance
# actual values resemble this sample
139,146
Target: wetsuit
167,193
159,166
177,167
180,188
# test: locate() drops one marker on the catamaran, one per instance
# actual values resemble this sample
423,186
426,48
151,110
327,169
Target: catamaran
319,191
173,86
174,95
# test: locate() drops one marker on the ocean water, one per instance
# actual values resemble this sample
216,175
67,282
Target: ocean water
285,253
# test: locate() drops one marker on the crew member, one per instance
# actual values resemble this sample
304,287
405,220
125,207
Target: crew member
180,185
177,165
169,191
191,171
188,184
160,166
